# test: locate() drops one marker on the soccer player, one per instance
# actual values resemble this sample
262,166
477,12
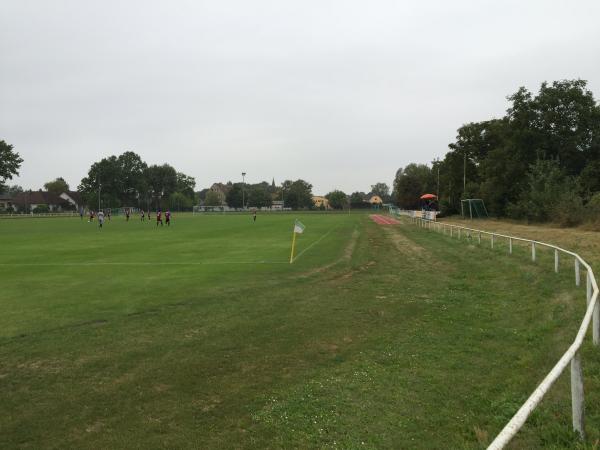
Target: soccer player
100,218
143,215
254,216
91,216
159,218
168,218
127,215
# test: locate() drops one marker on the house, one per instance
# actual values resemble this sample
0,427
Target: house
6,201
30,200
73,198
320,202
221,190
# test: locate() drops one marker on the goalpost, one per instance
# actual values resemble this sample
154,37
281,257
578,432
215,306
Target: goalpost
473,208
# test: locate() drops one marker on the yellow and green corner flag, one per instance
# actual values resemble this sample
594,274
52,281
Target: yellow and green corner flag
298,229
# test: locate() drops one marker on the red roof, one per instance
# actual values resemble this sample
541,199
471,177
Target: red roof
37,198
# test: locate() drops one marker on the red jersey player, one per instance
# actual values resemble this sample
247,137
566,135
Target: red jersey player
159,218
168,218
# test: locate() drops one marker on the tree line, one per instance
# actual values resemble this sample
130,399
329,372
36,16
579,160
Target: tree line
540,161
127,181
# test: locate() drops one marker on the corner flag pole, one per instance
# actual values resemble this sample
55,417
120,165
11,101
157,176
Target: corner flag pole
293,245
298,229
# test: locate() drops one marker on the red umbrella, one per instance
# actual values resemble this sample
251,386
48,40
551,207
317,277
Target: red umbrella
428,197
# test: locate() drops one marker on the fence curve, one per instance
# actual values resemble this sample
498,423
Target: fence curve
572,356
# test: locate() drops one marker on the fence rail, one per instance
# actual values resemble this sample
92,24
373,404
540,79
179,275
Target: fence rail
573,354
37,215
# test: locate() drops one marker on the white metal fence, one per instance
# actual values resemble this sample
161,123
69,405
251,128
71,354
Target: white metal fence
573,354
38,215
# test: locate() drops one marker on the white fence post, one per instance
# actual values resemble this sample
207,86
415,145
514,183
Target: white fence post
577,395
577,277
492,241
588,287
556,260
596,324
533,251
479,237
510,246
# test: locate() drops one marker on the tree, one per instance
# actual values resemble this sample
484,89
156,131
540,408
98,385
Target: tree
337,199
234,196
561,122
104,177
357,200
382,190
566,120
298,195
496,159
186,185
259,196
14,190
547,185
10,162
212,199
590,177
161,181
410,183
178,201
201,195
131,182
57,186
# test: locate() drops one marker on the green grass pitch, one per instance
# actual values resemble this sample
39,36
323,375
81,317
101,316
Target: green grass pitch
202,335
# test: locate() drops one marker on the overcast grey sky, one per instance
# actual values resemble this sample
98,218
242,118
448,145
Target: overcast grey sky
340,93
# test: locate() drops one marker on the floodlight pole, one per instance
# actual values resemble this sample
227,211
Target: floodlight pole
243,184
438,182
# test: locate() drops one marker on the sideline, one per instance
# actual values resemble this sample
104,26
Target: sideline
141,263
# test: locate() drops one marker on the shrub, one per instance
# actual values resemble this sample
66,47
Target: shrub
549,195
41,209
569,211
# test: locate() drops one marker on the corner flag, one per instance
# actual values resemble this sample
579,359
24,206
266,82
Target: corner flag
298,229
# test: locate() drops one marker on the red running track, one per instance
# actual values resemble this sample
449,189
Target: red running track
383,220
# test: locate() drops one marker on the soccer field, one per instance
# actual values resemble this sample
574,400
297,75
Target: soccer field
65,270
202,335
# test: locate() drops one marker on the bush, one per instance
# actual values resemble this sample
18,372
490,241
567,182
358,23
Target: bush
549,195
569,211
41,209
